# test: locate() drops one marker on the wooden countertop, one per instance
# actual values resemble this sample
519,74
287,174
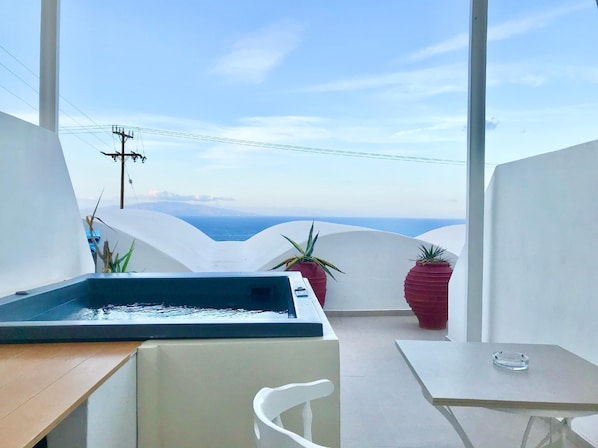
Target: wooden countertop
41,384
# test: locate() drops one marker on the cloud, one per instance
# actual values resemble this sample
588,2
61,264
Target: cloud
254,56
435,129
502,31
587,74
432,81
255,134
168,196
455,43
515,27
523,74
279,128
421,82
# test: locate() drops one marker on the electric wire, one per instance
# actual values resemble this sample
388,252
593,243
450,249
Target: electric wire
97,128
18,77
19,98
18,61
297,148
66,100
132,186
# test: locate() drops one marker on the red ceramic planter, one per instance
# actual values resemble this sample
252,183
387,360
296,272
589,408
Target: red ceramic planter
426,292
316,276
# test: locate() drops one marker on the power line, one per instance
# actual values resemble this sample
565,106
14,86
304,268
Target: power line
17,59
66,100
18,77
308,149
18,97
97,128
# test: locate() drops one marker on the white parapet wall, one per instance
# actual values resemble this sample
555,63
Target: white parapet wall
42,238
375,263
540,250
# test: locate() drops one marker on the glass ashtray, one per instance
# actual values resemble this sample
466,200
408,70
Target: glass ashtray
511,360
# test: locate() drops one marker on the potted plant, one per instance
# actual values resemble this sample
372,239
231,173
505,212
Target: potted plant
312,268
426,287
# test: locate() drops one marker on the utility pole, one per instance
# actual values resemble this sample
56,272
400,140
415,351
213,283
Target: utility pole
122,155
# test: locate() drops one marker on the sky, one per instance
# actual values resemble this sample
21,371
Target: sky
310,108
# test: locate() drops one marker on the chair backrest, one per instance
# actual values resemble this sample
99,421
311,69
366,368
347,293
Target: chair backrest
269,403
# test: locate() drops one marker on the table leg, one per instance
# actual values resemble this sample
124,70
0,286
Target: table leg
563,431
448,414
528,428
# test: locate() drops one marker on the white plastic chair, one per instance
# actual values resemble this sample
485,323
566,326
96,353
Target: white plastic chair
269,403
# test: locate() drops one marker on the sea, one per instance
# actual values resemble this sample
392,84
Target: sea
241,228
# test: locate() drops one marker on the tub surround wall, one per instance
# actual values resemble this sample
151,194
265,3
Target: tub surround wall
200,393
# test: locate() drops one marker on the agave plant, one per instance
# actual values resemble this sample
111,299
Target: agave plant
432,254
115,263
306,255
112,263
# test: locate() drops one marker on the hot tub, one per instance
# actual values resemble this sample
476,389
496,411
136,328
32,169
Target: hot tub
272,304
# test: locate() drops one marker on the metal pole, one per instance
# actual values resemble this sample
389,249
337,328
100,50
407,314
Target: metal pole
49,70
476,135
122,155
122,172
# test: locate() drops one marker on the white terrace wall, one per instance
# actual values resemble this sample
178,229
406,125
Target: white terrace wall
375,263
42,238
541,241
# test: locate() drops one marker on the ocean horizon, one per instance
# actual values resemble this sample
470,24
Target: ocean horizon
241,228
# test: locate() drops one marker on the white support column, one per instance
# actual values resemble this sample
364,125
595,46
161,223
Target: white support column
476,134
48,67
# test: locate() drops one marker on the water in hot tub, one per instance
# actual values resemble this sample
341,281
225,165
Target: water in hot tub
141,311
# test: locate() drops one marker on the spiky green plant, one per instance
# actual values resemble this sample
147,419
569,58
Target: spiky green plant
119,264
432,254
306,255
112,263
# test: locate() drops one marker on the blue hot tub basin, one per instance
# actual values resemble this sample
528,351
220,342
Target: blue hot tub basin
94,307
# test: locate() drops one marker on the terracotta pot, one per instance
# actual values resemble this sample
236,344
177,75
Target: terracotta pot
316,276
426,292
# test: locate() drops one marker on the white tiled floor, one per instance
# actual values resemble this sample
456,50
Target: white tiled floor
381,402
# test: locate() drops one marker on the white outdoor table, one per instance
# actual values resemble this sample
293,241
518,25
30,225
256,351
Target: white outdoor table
557,383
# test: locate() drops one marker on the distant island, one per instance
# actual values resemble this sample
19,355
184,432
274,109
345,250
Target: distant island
176,208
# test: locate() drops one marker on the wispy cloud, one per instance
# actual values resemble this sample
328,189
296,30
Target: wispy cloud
458,42
279,129
524,74
587,74
254,56
421,82
432,129
262,132
523,25
449,77
168,196
502,31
